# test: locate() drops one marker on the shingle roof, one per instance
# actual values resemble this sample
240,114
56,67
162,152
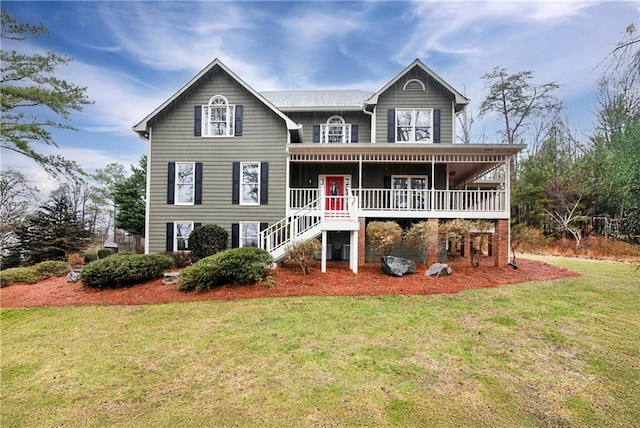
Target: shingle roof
349,98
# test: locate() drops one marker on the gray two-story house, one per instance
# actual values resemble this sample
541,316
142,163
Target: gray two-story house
279,166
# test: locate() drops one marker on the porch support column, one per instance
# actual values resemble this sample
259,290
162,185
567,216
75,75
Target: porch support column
432,256
323,258
361,241
433,184
500,243
353,252
287,195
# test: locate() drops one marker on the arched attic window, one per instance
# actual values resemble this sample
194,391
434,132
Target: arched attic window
335,131
414,85
218,117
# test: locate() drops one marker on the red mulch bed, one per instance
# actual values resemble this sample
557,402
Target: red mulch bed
338,281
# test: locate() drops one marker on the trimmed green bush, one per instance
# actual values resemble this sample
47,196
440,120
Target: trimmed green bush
124,270
44,270
17,275
90,257
207,240
104,252
236,266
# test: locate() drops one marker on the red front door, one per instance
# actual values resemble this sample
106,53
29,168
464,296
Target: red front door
334,192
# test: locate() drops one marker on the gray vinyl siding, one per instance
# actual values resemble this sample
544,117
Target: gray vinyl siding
264,140
309,119
433,97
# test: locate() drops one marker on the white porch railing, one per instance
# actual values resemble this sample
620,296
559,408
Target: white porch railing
416,201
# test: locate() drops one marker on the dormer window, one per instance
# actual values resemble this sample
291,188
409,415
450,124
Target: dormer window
335,131
414,125
218,118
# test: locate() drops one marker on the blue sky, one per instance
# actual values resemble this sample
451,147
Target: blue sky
133,55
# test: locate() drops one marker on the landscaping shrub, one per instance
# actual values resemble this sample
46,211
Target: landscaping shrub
238,266
124,270
423,237
383,236
104,252
181,259
90,257
17,275
44,270
207,240
75,260
303,253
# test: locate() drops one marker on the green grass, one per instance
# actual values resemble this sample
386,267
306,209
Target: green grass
560,353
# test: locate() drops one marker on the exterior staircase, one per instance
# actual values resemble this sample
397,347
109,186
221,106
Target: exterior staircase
319,215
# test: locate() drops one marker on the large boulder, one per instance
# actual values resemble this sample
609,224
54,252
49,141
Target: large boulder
438,269
397,266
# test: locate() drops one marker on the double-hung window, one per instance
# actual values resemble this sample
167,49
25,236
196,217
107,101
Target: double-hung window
250,183
335,131
185,179
409,192
249,234
218,118
414,125
181,235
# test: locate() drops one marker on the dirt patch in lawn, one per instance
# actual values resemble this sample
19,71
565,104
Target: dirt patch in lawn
288,281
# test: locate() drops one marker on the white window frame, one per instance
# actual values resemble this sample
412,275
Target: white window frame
335,122
243,228
177,239
208,119
409,198
179,184
244,182
413,126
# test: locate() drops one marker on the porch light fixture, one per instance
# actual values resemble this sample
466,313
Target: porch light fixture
452,174
310,181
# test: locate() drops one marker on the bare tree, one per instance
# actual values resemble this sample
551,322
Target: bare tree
17,197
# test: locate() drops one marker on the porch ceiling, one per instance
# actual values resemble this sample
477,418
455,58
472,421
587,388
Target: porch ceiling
465,162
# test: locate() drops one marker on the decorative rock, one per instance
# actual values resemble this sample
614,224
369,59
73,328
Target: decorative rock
73,276
397,266
438,269
170,278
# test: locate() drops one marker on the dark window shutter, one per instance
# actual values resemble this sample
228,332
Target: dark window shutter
235,183
238,124
316,133
263,226
196,225
436,126
354,133
171,183
391,126
197,121
169,245
235,235
264,183
198,183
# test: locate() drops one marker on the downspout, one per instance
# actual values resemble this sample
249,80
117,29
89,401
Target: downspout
373,122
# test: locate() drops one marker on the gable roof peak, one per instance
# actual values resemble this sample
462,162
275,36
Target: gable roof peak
460,100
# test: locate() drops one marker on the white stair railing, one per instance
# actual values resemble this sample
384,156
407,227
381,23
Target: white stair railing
303,224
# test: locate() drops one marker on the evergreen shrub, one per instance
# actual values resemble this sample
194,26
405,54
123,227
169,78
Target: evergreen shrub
237,266
124,270
104,252
207,240
44,270
17,275
90,257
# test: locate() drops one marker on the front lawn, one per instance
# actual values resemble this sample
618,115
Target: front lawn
552,353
